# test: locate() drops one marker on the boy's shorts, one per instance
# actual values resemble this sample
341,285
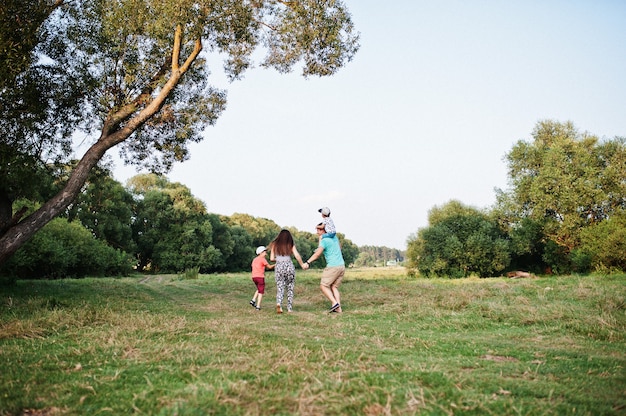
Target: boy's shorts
260,284
332,276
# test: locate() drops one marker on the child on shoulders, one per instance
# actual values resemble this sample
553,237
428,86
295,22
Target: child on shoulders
329,224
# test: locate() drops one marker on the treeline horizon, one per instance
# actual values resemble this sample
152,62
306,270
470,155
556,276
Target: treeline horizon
156,226
564,213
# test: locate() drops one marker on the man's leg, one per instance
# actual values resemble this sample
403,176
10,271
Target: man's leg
335,291
329,294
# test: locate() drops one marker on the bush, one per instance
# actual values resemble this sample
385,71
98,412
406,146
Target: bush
459,245
190,274
581,261
62,249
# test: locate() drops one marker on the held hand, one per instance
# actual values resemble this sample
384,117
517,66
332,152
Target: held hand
305,266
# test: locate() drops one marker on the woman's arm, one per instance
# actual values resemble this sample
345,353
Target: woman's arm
294,250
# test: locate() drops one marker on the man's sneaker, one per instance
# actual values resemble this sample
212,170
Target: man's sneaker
253,303
335,307
279,309
257,308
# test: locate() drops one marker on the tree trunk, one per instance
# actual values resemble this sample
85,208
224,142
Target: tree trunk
20,233
6,212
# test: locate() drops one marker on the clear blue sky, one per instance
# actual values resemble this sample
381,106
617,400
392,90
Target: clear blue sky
437,95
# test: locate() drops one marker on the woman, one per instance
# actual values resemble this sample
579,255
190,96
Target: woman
282,248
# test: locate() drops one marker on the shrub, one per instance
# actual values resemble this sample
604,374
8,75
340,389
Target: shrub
190,274
62,249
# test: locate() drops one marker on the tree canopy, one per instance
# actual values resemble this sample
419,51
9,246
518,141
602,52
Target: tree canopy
459,241
564,212
567,180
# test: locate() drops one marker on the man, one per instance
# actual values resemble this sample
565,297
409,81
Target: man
335,267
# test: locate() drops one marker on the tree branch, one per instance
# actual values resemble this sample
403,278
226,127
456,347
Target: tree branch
154,105
176,50
125,112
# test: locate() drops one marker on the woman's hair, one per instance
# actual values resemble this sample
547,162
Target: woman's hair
283,243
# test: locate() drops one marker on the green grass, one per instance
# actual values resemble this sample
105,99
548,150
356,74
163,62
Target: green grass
163,345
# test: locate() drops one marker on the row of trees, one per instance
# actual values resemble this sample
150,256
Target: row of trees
565,212
150,225
374,256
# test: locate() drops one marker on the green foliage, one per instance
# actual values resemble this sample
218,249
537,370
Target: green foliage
605,244
20,32
172,230
40,102
168,230
565,186
527,246
262,230
450,209
365,259
581,261
567,180
190,273
371,256
130,46
63,249
320,33
243,250
223,242
105,208
23,176
459,241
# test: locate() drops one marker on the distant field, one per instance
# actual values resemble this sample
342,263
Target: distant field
166,346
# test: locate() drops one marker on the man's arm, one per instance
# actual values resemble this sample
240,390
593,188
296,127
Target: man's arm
316,254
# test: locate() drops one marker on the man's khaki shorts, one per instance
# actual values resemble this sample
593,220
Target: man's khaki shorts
332,276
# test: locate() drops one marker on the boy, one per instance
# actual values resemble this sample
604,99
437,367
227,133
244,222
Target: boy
329,224
258,275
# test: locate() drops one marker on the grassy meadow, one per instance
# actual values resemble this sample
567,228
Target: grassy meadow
162,345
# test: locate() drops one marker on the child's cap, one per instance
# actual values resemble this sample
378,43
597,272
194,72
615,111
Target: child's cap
260,249
324,211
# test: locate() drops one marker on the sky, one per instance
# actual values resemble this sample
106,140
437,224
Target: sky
425,113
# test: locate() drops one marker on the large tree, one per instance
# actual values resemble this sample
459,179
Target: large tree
39,106
143,78
566,181
171,227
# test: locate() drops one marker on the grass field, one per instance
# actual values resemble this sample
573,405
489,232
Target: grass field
159,345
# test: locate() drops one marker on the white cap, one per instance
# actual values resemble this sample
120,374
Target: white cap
260,249
324,211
